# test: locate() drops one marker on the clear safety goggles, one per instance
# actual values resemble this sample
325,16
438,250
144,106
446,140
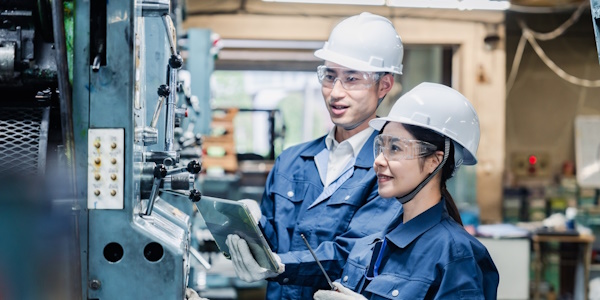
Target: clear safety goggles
395,148
350,79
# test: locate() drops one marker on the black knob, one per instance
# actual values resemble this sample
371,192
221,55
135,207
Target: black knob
163,90
175,61
195,195
160,171
194,167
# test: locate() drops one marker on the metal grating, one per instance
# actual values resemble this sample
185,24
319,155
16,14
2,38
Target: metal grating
23,140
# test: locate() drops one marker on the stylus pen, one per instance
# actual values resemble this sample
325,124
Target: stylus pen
319,263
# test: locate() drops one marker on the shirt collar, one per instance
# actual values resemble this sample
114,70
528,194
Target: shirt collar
404,234
356,141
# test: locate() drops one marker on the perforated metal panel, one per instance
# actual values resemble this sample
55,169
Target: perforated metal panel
23,140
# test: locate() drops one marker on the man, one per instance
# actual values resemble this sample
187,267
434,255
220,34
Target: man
326,189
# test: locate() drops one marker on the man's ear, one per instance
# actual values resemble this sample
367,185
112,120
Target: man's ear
385,85
433,161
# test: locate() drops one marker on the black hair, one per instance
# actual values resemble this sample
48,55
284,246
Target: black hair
427,135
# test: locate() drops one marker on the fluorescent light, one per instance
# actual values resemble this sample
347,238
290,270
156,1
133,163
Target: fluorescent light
347,2
452,4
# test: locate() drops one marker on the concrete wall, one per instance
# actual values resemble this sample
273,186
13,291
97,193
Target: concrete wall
541,107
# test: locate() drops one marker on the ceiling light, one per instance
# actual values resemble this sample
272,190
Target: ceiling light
347,2
452,4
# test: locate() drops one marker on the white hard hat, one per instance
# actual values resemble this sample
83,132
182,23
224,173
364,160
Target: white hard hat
443,110
365,42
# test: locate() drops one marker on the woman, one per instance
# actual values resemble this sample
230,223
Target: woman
425,253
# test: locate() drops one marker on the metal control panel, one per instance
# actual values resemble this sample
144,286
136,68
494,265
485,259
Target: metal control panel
105,168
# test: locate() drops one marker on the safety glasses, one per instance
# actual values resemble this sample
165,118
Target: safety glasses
396,148
350,79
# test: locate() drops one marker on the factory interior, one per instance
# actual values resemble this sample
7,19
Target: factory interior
119,119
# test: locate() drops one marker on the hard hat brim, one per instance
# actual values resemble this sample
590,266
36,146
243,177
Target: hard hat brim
378,123
352,63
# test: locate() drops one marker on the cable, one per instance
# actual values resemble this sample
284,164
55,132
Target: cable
556,69
516,63
531,36
561,29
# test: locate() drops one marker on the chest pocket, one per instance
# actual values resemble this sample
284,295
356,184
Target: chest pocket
288,190
387,286
352,276
354,196
288,197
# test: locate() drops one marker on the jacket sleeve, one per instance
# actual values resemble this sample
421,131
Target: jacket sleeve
466,279
302,269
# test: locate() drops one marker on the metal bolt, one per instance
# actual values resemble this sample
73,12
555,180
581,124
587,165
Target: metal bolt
97,144
113,192
97,176
97,192
113,161
95,284
113,176
113,145
97,160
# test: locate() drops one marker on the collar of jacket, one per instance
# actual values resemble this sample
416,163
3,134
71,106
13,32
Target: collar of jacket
405,234
365,157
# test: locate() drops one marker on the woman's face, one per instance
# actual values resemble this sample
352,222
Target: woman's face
398,178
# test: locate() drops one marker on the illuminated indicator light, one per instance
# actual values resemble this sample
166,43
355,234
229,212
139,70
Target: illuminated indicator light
532,159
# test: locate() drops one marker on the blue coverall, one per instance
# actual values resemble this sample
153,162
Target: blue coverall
348,209
429,257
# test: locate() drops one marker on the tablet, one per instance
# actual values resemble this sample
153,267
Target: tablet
224,217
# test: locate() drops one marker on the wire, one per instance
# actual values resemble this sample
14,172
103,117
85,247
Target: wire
516,63
556,69
531,36
561,29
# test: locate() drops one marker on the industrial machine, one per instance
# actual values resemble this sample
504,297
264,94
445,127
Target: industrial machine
93,111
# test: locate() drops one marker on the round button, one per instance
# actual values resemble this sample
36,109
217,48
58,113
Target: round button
345,278
286,280
290,194
395,293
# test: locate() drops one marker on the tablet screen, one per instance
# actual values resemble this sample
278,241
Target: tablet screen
224,217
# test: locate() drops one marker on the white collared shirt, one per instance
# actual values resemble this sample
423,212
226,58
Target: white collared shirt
340,154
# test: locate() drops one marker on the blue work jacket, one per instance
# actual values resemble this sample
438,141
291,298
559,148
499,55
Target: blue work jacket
429,257
295,202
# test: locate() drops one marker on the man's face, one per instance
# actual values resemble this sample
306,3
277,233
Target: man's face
351,97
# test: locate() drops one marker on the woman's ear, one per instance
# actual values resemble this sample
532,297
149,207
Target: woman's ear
434,161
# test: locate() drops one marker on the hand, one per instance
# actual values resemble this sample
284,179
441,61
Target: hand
191,294
245,265
253,208
342,293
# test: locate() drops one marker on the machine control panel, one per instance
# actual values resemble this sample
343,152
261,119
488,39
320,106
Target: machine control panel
106,153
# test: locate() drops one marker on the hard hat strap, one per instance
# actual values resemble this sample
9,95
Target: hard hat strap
404,199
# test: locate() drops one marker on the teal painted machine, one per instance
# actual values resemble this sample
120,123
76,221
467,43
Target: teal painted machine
134,240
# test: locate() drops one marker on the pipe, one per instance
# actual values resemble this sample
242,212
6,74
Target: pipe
60,45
